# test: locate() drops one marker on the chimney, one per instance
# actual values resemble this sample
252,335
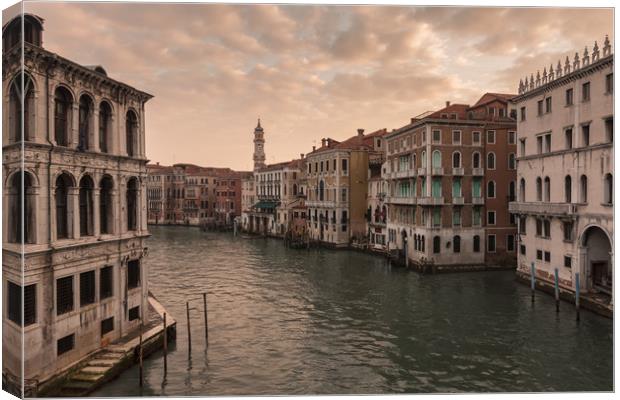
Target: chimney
157,162
323,142
447,104
412,120
301,155
360,132
329,142
313,148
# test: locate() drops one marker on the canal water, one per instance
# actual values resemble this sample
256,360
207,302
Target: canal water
285,321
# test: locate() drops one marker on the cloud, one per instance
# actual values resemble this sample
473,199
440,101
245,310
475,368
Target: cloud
307,71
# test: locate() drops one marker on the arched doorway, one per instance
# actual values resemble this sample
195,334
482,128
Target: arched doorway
599,265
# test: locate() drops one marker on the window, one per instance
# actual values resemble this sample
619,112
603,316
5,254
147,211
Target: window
21,209
583,189
538,189
477,216
456,160
132,204
133,274
63,182
568,187
522,225
540,107
539,144
344,166
548,105
456,217
490,137
87,288
343,194
609,182
547,143
512,137
85,111
436,217
491,189
476,137
539,255
585,92
436,136
567,227
569,97
568,261
491,160
511,191
609,83
491,243
547,256
64,295
436,159
476,160
476,244
105,205
105,117
134,313
609,130
65,344
510,242
512,164
522,113
568,138
490,217
456,188
107,325
86,206
476,187
522,190
547,189
14,302
522,249
62,116
585,135
456,244
456,137
436,187
543,228
436,244
106,279
131,133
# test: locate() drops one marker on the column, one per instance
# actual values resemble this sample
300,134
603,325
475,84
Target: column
73,212
94,135
96,212
611,260
116,210
75,124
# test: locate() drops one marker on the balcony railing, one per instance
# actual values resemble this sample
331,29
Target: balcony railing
542,208
421,171
477,171
402,200
318,203
477,200
431,201
458,171
437,171
458,200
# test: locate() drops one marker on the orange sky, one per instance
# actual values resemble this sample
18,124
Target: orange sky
307,71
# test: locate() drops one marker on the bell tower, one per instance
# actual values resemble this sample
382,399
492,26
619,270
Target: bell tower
259,147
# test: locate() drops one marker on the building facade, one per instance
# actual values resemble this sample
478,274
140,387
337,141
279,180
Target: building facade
80,182
450,175
565,172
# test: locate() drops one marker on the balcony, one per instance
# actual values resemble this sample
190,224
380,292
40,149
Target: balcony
437,171
458,171
404,174
402,200
431,201
477,171
540,208
421,171
320,204
458,201
477,201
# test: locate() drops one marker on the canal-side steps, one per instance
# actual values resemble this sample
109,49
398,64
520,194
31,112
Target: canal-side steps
109,362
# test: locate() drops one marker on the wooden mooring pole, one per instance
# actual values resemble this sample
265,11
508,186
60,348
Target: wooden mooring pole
165,346
577,294
189,330
204,300
557,292
140,354
533,280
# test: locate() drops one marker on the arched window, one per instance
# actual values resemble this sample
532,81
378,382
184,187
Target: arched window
61,196
423,243
511,191
476,244
456,244
423,160
547,188
294,189
583,189
456,159
321,190
105,205
436,244
436,159
491,160
86,206
285,190
15,108
491,189
21,205
538,189
413,161
512,163
132,204
522,190
384,214
85,113
476,160
568,188
62,116
609,194
105,124
131,133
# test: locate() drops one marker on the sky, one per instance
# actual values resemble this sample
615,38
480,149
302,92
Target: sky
308,72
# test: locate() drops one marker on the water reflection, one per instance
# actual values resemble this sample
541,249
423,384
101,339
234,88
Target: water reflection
326,322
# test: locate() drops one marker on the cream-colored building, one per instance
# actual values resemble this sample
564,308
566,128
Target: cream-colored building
565,171
337,186
83,169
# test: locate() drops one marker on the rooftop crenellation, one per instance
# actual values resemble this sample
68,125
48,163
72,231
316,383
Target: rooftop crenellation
552,74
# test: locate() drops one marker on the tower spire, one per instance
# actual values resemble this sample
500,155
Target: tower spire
259,147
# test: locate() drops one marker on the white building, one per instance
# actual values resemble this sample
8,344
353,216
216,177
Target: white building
83,170
565,172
